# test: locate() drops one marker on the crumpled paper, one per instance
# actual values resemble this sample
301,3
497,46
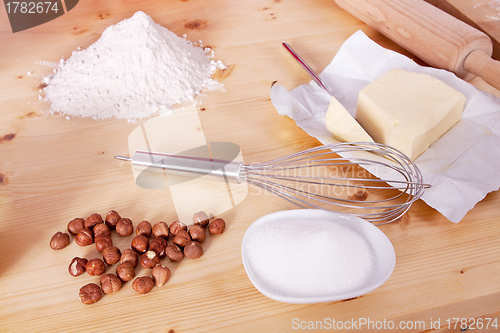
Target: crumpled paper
462,166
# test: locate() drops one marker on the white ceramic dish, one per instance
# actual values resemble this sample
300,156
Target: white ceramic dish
384,254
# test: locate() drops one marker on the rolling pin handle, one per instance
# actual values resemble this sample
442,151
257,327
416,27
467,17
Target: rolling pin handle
481,64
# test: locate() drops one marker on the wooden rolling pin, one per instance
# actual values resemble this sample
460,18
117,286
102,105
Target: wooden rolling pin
433,35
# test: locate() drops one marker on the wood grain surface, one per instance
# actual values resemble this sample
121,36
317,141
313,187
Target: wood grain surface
53,169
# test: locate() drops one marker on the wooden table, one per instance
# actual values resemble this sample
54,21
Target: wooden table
53,169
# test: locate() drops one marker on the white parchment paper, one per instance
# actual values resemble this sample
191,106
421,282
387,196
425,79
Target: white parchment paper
462,166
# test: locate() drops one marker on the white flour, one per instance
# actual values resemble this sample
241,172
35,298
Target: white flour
136,69
493,9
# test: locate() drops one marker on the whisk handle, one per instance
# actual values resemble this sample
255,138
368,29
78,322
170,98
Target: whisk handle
189,166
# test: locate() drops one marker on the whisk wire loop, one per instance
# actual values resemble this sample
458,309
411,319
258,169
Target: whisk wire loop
303,177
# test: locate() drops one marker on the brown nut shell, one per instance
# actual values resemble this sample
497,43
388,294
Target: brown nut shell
144,228
143,284
176,226
102,242
161,275
182,238
95,267
217,226
59,241
90,293
124,227
193,250
130,256
112,219
174,253
101,229
158,245
77,266
110,283
84,237
125,271
140,244
111,255
201,218
197,233
75,225
150,259
160,229
92,220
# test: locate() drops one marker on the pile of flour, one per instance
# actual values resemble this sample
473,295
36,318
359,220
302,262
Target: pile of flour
136,69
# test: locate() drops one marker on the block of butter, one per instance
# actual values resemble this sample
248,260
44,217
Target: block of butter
342,125
408,111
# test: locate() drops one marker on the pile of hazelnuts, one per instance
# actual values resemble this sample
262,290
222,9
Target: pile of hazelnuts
148,253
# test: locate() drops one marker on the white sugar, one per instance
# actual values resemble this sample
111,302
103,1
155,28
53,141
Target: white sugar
308,258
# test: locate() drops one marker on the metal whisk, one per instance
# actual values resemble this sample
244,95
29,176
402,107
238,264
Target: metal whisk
316,178
331,182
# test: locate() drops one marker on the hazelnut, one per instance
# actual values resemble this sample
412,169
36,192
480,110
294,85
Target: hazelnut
160,229
176,226
217,226
129,256
77,266
197,233
59,241
102,242
158,245
124,227
92,220
182,238
161,275
75,225
140,243
110,283
174,253
90,293
193,250
95,267
143,228
112,219
201,218
84,237
125,271
101,229
111,255
143,284
150,259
